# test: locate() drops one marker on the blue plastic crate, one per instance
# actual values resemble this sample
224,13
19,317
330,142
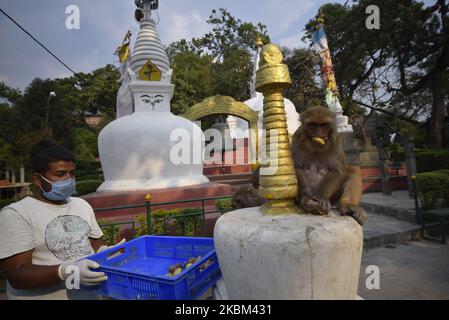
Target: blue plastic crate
137,270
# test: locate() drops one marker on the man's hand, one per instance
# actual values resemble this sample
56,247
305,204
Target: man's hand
87,277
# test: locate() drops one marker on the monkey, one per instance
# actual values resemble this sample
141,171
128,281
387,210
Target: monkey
324,177
246,197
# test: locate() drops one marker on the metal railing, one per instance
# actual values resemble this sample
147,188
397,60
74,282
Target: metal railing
149,205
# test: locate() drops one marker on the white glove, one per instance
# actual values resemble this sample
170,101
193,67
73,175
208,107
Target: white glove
102,248
87,277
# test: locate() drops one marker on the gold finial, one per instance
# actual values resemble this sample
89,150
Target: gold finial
259,42
281,188
148,197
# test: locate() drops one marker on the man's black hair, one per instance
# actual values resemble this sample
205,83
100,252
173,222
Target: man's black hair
48,152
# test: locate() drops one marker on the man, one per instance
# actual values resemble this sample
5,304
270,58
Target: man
43,236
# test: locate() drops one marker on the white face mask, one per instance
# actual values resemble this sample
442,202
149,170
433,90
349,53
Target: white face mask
60,190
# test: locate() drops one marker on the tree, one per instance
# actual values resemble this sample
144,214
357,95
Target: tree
227,52
399,69
304,67
98,92
194,80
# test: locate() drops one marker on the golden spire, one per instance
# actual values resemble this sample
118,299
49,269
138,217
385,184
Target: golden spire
279,188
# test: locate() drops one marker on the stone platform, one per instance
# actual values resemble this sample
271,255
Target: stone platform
288,256
128,198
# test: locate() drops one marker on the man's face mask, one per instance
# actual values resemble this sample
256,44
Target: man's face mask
60,190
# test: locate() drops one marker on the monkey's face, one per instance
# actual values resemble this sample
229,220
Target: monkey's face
318,131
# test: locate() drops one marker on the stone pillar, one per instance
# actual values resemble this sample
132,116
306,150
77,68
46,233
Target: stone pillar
13,176
288,257
22,174
410,158
383,164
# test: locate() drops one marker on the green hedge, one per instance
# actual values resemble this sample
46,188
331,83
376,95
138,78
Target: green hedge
87,186
89,177
225,204
185,226
86,167
432,160
434,188
107,232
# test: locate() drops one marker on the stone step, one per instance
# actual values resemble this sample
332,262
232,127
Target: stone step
381,230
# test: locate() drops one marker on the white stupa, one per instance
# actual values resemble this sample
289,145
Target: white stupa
141,151
239,127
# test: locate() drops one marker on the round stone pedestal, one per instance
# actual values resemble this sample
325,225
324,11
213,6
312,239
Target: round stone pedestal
288,256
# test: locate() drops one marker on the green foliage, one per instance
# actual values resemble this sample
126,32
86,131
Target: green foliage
431,160
87,168
88,177
23,115
304,67
193,78
434,188
224,204
111,234
85,141
87,186
220,62
161,219
402,67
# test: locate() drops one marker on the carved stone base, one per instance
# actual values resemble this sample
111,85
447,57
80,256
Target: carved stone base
288,256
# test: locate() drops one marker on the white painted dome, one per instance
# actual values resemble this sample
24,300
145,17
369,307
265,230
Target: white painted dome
135,153
239,127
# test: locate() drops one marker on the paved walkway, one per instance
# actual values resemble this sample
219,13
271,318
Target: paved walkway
416,270
397,200
381,229
399,205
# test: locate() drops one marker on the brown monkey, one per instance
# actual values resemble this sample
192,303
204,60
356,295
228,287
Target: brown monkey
323,174
247,197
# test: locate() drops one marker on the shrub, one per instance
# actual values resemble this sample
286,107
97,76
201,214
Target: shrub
225,204
85,167
86,187
110,233
432,160
434,188
161,219
89,177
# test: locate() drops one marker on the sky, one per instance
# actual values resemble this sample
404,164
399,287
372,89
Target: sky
103,24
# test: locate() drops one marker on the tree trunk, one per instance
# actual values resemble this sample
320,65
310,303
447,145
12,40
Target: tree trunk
438,110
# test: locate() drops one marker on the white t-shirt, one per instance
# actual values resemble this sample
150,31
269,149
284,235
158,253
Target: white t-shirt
57,233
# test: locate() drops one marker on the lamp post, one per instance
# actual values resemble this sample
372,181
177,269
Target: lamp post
50,96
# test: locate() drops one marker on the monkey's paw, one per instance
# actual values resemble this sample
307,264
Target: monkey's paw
356,212
315,205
